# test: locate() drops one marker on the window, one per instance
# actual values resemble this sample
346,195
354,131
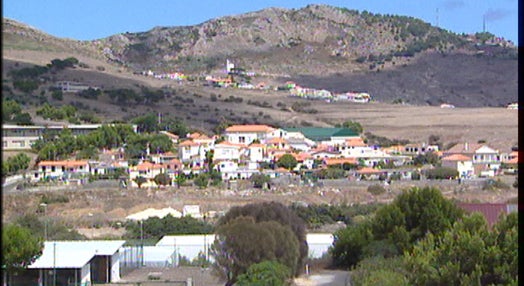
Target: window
242,139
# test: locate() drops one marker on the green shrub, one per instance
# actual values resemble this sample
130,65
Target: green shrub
376,189
53,198
491,185
415,176
395,176
441,173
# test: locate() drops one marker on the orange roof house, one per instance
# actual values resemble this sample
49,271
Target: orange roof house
457,157
229,144
368,170
337,161
464,148
513,158
146,166
65,163
355,142
256,145
171,136
188,143
249,128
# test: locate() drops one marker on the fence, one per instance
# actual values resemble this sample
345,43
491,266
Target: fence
131,258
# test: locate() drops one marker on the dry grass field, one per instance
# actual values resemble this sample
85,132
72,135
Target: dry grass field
192,102
113,204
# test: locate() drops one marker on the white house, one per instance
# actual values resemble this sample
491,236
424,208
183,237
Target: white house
246,134
462,163
188,151
231,171
75,263
257,152
192,211
302,144
21,137
486,161
174,138
227,151
147,170
355,148
62,169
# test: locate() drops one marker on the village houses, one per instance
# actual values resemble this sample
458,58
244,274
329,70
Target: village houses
239,152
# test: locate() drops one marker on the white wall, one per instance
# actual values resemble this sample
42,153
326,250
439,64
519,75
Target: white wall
115,267
86,274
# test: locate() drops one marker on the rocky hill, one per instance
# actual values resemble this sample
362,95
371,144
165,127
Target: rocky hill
394,58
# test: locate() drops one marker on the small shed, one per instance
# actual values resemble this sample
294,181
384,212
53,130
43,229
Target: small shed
75,263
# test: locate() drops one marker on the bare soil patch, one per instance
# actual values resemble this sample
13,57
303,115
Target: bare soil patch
103,207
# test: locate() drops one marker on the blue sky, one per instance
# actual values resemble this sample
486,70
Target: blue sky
95,19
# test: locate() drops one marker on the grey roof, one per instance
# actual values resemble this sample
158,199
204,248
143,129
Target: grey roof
74,254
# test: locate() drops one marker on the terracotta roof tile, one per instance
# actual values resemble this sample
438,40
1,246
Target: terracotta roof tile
355,142
249,128
367,170
336,161
188,143
67,163
276,140
457,157
229,144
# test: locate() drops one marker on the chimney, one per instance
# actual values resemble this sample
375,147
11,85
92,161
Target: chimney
466,146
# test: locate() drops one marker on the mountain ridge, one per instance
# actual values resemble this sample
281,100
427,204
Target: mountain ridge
367,51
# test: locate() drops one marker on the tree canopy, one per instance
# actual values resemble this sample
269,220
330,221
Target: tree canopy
395,227
287,161
20,247
468,253
256,232
266,273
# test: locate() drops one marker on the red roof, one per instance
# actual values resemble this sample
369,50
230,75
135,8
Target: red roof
63,163
490,211
276,140
367,170
466,147
188,143
170,135
249,128
456,157
336,161
229,144
355,142
145,166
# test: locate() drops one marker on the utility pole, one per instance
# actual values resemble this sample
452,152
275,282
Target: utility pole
44,205
54,263
142,242
437,18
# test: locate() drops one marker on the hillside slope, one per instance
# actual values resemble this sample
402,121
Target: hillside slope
394,58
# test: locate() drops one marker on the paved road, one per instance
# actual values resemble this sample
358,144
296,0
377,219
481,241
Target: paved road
331,278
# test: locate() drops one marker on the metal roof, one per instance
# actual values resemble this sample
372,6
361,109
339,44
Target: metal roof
491,211
189,239
321,134
74,254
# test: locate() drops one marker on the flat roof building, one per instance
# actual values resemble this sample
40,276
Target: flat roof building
74,263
